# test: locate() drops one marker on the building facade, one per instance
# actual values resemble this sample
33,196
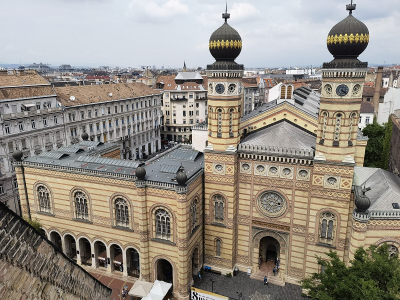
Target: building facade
284,182
31,121
125,113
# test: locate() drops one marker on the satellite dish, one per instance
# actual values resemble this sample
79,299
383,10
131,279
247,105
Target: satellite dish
72,98
110,94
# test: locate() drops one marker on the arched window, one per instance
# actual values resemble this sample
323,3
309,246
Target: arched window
327,227
44,199
336,134
393,251
163,224
283,91
219,210
231,122
218,243
81,206
193,213
352,117
289,92
219,134
121,213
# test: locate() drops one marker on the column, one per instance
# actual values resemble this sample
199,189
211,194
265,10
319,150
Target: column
144,228
125,264
109,262
92,250
78,255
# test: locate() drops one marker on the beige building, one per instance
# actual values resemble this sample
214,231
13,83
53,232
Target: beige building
281,184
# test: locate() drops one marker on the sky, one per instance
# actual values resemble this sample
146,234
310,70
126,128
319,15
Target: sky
133,33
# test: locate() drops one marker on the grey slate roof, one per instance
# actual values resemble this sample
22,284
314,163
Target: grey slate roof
305,100
281,135
385,188
188,76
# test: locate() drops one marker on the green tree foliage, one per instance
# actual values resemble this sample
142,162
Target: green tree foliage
35,223
386,144
372,275
373,151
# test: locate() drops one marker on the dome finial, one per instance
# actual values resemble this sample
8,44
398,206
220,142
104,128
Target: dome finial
226,16
350,7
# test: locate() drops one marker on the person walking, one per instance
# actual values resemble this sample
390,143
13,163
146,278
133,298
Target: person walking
259,262
274,271
265,280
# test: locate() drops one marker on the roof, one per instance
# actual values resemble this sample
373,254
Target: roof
19,79
367,108
369,91
249,82
188,76
159,169
269,82
101,93
282,135
385,188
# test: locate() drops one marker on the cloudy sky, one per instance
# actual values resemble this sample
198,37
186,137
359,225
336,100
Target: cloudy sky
166,32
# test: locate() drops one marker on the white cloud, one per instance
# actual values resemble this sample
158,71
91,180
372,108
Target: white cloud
151,11
244,11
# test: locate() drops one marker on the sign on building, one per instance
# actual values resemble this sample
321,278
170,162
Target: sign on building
198,294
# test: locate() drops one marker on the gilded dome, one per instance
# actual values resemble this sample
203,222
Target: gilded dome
348,38
225,43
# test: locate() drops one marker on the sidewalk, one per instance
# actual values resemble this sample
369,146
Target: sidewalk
228,287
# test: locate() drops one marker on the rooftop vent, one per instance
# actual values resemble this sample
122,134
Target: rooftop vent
110,94
72,98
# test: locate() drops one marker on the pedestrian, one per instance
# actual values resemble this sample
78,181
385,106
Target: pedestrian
265,280
278,262
274,271
199,275
277,268
259,262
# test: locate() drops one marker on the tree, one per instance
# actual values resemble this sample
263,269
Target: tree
373,151
35,223
373,274
386,144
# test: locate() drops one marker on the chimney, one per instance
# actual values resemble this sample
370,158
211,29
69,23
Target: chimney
377,92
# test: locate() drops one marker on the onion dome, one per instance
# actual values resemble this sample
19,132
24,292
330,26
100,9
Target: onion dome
362,202
225,42
141,173
348,38
17,155
85,136
181,176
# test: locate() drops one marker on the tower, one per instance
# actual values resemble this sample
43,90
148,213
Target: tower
342,86
224,112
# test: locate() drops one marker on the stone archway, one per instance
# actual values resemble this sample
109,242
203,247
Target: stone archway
270,246
164,270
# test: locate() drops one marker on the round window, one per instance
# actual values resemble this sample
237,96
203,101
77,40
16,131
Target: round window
246,167
303,173
260,168
332,180
286,171
272,204
219,168
273,170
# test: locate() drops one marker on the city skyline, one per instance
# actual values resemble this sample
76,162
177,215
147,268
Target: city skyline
167,32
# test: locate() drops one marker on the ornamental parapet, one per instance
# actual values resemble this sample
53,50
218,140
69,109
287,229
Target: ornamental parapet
345,65
362,217
277,151
387,215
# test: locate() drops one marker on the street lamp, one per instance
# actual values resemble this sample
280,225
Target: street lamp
212,285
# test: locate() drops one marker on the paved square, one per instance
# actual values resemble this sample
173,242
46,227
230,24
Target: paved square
226,286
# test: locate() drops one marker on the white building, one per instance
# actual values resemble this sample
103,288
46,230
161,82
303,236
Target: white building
184,104
391,103
128,113
30,121
366,114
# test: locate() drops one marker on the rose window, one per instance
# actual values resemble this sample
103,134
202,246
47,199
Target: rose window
272,204
260,168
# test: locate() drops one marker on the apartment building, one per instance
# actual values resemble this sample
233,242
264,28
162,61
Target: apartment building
127,113
30,121
184,104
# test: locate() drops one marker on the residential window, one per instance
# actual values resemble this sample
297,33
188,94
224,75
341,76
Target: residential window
82,115
81,206
44,199
197,105
122,108
360,120
116,122
123,121
21,126
90,127
1,189
15,184
89,113
45,122
104,125
219,210
115,109
38,105
366,120
102,111
127,107
7,128
163,224
55,120
109,110
95,112
121,212
98,126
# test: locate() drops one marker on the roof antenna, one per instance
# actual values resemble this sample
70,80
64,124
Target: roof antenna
226,16
350,7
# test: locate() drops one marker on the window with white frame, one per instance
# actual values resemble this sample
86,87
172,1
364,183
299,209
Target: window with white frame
81,206
7,128
21,126
327,227
33,124
121,213
44,199
15,183
55,120
163,224
45,122
367,120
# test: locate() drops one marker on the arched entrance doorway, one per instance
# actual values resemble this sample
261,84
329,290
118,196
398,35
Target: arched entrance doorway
164,271
269,250
85,251
133,262
195,261
55,238
117,262
100,254
70,246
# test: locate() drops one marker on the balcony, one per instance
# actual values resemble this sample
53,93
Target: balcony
32,113
179,99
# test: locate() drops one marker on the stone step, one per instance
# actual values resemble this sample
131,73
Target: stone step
276,280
